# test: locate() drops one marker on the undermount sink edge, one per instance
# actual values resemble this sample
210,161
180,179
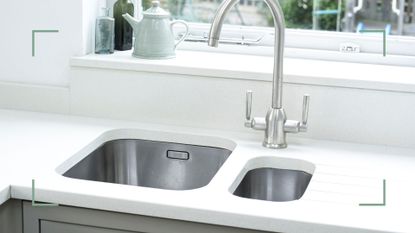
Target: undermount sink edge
154,159
277,179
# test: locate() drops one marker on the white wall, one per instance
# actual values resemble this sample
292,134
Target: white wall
50,66
343,114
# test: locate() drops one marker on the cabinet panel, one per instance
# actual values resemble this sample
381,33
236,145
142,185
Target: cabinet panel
57,227
82,220
11,217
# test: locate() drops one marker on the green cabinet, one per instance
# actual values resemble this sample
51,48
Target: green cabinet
65,219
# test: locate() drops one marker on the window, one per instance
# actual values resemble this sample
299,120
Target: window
323,25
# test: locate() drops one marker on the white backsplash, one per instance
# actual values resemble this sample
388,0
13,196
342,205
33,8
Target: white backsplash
341,114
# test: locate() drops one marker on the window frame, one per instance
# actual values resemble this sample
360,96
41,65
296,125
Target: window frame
309,44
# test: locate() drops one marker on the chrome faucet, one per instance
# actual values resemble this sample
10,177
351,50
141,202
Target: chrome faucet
275,124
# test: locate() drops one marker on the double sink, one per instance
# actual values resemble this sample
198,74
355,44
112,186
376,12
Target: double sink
183,166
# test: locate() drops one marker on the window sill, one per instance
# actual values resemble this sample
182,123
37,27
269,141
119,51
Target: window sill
251,67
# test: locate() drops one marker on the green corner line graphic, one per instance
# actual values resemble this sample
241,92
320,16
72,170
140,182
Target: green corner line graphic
34,38
39,204
377,31
378,204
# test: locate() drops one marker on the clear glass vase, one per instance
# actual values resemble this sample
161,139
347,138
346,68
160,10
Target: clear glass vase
104,33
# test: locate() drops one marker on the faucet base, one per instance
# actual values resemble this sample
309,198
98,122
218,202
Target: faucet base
274,146
274,131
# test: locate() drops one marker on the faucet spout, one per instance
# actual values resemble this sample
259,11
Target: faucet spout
216,26
279,25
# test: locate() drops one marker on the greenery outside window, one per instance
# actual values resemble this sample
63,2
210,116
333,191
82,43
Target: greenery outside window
320,25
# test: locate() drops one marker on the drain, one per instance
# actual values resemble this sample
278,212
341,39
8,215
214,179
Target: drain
180,155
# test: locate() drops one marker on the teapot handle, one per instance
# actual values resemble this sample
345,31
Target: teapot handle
185,34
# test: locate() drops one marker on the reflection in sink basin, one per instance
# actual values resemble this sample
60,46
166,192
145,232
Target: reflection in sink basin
273,184
155,164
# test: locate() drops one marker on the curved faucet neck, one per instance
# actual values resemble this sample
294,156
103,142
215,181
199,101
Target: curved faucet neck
279,25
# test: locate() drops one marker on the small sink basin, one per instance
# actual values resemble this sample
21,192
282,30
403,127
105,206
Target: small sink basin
273,184
156,164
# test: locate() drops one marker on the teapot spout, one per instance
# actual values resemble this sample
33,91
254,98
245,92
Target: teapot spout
131,20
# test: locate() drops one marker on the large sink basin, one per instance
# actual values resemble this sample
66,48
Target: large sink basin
273,184
156,164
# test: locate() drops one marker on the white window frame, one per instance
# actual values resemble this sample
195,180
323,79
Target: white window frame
309,44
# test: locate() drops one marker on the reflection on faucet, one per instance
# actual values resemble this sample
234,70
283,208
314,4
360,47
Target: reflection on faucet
275,123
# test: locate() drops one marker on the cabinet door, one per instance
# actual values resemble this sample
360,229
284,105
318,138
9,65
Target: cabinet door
66,219
57,227
11,217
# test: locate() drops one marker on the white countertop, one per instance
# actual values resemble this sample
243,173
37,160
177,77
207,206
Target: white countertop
34,145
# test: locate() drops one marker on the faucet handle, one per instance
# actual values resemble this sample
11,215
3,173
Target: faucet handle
304,118
257,123
248,105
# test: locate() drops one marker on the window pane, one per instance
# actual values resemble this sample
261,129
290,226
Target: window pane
397,17
247,12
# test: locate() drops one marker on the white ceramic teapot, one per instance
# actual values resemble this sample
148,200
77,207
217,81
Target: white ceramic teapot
153,34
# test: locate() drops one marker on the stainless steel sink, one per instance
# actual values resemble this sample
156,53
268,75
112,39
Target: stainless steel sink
155,164
273,184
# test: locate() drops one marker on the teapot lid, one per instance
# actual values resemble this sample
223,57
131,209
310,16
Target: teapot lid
155,11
